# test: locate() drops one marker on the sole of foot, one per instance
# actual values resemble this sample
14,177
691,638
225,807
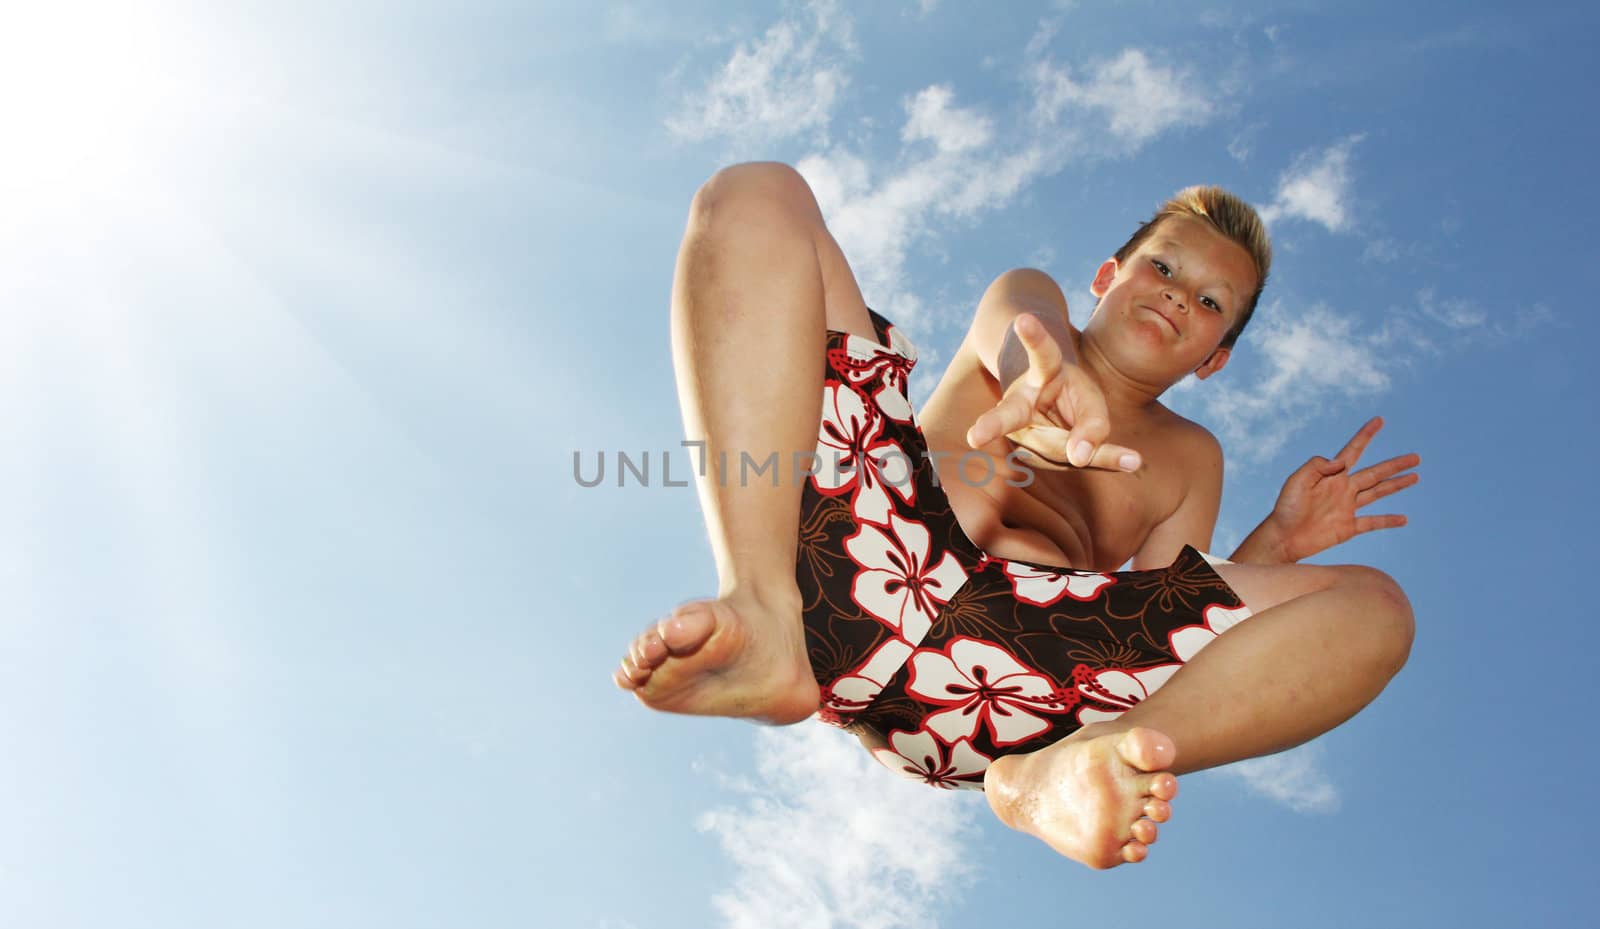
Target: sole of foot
726,657
1095,797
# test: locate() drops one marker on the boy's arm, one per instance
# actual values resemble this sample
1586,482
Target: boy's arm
1264,545
1317,508
992,336
1196,516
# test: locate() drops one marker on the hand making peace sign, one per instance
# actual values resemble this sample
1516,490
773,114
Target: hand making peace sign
1054,411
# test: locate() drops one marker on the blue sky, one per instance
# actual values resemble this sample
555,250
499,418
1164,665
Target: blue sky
305,622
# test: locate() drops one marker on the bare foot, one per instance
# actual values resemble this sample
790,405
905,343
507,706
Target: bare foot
732,656
1095,796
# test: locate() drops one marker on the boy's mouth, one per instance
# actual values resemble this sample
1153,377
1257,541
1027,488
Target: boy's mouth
1164,317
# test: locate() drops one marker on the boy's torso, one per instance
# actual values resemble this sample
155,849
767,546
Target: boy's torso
1087,519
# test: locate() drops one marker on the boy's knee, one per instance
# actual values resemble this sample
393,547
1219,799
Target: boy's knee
763,192
1391,617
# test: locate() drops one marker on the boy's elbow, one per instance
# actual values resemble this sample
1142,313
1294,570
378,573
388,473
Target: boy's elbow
1017,291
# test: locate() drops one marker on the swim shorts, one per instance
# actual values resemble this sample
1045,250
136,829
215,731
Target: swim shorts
943,655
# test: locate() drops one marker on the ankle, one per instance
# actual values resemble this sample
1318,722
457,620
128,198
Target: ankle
773,597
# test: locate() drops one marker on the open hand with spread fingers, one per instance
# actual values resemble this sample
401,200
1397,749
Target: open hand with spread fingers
1316,509
1054,411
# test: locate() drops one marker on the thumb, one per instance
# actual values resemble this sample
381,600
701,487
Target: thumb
1327,467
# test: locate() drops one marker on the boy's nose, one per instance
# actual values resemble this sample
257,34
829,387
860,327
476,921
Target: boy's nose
1182,307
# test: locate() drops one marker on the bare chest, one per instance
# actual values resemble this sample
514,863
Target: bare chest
1085,519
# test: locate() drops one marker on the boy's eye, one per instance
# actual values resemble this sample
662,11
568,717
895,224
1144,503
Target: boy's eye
1165,271
1210,303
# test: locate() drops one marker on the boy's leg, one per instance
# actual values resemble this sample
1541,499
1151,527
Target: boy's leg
1322,643
750,308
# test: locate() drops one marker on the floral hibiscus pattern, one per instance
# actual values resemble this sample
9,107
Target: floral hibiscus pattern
852,455
984,685
945,656
920,756
900,582
1042,588
1217,619
1110,692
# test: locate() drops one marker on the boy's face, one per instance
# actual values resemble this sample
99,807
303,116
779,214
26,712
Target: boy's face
1163,312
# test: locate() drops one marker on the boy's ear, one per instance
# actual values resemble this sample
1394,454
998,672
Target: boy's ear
1102,277
1217,361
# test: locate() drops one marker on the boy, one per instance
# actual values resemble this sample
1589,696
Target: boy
948,594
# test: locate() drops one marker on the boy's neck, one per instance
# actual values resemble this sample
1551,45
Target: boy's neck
1123,394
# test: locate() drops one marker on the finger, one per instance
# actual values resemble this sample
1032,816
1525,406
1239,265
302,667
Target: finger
1044,354
1373,474
1353,449
1044,446
1046,442
1314,470
1108,457
1387,521
1385,488
1010,414
1084,408
1327,467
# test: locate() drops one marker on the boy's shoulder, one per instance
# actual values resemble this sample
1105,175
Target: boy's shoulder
1175,434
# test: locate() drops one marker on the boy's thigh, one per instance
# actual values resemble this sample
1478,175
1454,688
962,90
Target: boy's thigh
845,308
1263,587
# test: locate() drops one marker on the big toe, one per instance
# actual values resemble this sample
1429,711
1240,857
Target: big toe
688,628
1147,749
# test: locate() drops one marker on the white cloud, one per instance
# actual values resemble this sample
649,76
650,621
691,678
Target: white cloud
1316,188
1288,370
1293,365
1137,99
1243,142
787,84
876,220
951,129
782,84
1450,313
828,837
1292,778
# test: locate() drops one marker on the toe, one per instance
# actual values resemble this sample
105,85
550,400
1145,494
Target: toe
1158,810
687,628
631,673
1134,852
648,651
1144,831
1161,786
1147,749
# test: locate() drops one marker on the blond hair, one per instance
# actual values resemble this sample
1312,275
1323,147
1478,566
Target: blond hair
1227,214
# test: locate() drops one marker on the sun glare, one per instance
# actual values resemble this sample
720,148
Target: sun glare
84,89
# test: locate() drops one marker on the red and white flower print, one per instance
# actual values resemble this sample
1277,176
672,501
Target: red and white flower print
896,583
862,362
919,756
1042,588
855,691
984,684
1187,642
852,453
1110,692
